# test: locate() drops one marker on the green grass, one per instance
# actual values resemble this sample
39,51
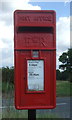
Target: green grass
63,89
13,113
47,115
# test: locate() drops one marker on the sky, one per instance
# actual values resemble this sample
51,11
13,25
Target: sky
7,8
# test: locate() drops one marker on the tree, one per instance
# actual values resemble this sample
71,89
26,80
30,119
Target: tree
65,75
66,59
58,74
8,74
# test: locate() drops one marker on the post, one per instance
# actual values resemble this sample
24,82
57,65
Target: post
32,114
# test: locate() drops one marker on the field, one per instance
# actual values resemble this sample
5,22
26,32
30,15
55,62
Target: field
12,113
63,89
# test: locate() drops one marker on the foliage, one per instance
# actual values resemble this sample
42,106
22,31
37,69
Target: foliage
58,74
62,75
7,87
8,74
66,60
66,66
65,75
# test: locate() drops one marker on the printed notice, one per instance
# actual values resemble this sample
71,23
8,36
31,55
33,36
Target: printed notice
35,75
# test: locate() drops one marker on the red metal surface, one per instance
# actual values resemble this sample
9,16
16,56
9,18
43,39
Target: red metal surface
35,30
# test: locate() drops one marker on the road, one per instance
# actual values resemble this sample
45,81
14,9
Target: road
62,107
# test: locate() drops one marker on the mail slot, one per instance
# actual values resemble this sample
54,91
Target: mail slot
35,59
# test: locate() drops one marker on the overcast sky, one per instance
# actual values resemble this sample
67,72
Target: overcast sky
7,9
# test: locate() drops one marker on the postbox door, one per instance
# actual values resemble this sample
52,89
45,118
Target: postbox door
35,98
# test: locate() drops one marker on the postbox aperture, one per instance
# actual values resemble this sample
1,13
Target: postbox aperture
35,59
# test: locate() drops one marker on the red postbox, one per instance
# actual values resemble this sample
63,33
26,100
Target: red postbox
35,59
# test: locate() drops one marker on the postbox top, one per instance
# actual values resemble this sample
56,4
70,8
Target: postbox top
34,29
35,17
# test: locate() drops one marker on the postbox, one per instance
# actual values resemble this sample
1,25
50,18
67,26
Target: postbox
35,59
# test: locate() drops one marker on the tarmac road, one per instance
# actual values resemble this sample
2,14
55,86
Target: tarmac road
62,107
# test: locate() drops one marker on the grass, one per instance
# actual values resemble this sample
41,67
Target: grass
63,89
13,113
47,115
